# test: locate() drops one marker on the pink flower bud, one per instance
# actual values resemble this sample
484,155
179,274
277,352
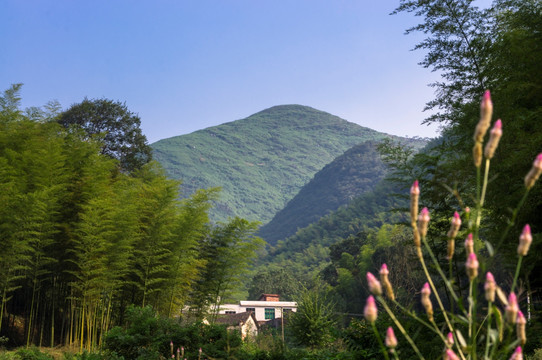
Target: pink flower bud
486,111
534,173
511,310
450,340
386,282
517,355
374,285
520,328
454,225
452,233
426,301
423,222
469,245
370,311
525,241
490,287
494,138
426,290
391,340
450,355
414,196
472,266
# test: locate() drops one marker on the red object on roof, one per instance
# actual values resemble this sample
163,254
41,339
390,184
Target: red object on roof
269,297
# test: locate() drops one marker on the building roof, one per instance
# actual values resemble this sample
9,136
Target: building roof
235,319
268,303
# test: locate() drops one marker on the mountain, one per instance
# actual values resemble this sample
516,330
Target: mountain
307,252
262,161
351,174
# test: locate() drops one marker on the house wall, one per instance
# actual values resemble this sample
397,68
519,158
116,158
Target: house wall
259,308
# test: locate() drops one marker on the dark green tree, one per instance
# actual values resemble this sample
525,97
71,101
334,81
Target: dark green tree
274,281
118,128
313,323
474,50
229,251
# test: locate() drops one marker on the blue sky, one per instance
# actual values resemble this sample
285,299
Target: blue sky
184,65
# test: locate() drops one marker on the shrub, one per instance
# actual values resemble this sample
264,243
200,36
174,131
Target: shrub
147,336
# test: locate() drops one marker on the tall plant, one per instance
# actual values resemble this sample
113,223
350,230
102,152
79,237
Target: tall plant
466,331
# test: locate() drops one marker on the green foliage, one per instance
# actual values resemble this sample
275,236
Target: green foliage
306,253
457,44
359,338
274,281
312,325
494,49
116,126
82,240
147,336
536,356
228,252
353,173
32,353
260,162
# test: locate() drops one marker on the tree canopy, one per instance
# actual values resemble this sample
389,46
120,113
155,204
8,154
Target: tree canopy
116,126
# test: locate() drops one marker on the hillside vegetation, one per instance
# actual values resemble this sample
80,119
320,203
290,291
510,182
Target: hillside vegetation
260,162
307,252
353,173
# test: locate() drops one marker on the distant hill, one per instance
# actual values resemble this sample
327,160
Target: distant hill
260,162
351,174
307,252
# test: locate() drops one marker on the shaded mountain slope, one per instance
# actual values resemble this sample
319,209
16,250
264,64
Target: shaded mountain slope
260,162
307,252
351,174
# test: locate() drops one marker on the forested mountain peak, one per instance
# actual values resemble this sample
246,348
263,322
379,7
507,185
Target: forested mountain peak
262,161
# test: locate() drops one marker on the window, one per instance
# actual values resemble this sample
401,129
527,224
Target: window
252,310
230,312
269,313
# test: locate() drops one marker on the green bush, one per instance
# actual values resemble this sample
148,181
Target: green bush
32,353
101,355
148,337
536,356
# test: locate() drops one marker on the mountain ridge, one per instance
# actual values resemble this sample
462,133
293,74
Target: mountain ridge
261,161
351,174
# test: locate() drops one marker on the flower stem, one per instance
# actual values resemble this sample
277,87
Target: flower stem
414,316
448,323
471,317
441,273
400,327
382,347
489,311
512,221
516,275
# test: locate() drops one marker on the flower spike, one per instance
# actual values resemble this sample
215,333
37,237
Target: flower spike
494,138
490,286
534,173
374,285
370,311
472,266
386,282
423,222
391,340
525,241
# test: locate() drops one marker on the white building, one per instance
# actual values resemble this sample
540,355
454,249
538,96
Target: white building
267,308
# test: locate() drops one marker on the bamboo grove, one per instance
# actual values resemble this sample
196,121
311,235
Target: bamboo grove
81,240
